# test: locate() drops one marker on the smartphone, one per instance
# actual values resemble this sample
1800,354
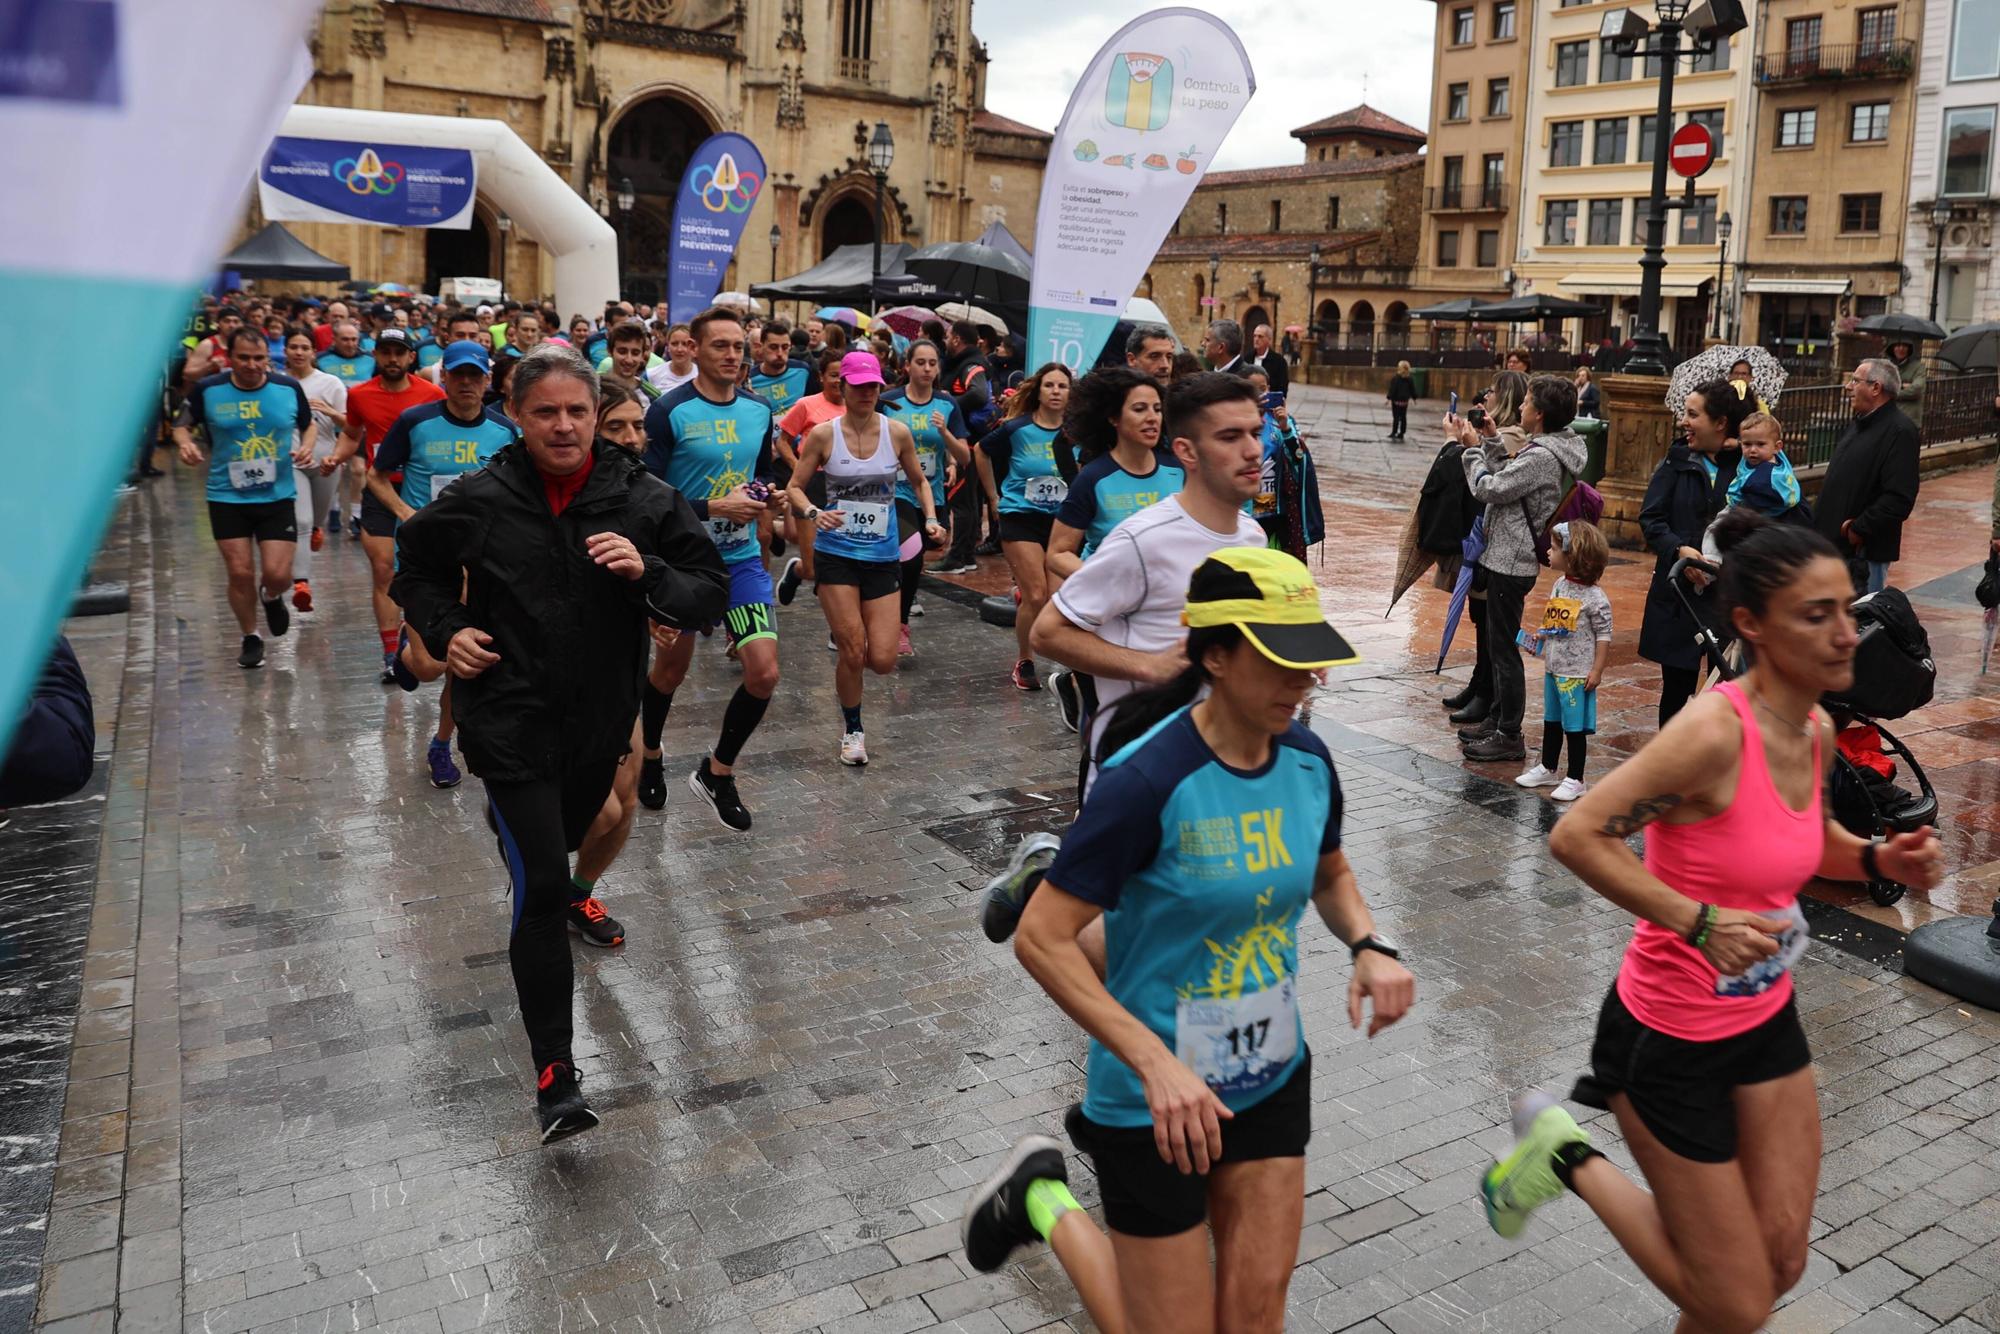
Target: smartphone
1477,416
1453,409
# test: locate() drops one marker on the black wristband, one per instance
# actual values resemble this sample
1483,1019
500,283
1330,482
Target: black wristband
1869,869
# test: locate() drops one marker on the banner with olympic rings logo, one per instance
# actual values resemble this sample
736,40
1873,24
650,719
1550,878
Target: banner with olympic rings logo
721,184
392,185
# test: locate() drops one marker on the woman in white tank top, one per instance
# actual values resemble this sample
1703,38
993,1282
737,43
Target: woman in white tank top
857,574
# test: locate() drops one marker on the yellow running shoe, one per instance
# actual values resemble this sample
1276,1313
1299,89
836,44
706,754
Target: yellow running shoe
1526,1179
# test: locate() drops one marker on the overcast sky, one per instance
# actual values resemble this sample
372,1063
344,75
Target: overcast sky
1310,57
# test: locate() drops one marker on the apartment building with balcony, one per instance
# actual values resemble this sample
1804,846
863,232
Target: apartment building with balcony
1827,182
1954,175
1588,148
1479,82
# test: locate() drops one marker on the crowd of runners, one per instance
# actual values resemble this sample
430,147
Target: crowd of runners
556,526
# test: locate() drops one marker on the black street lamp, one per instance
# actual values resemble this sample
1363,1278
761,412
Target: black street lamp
1940,219
881,156
1716,21
624,198
776,236
1723,226
1312,296
1214,300
506,225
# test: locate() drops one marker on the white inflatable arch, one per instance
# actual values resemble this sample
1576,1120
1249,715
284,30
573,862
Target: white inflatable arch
511,175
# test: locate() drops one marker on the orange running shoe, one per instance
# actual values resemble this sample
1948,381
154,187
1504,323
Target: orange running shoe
318,538
302,595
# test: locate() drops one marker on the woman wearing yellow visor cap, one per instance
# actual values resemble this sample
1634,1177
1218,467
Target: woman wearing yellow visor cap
1208,830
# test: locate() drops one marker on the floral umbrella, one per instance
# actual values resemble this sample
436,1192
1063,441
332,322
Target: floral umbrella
907,321
1767,377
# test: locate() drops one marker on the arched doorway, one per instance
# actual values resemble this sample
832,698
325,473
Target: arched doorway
1253,317
650,146
849,220
1396,322
450,253
1360,324
1326,324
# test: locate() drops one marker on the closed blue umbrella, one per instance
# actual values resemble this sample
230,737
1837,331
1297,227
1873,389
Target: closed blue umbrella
1472,548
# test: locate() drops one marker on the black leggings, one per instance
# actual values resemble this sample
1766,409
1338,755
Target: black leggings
1552,746
539,823
1676,689
913,574
1399,418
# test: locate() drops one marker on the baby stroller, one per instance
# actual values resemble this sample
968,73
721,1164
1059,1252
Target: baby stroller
1893,676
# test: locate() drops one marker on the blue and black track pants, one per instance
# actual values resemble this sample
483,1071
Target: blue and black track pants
540,822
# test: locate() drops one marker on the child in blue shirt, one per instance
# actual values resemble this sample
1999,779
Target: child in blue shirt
1764,480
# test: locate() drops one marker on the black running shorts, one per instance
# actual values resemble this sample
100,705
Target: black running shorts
1146,1196
875,578
1685,1091
1026,526
377,519
265,520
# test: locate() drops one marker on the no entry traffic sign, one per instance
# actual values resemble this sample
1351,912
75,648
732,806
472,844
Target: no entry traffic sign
1691,150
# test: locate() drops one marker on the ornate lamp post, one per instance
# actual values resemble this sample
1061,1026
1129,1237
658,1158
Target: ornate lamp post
1716,21
506,225
624,198
1312,296
1940,219
1723,226
776,236
881,156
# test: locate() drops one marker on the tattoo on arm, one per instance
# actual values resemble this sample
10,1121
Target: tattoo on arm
1644,811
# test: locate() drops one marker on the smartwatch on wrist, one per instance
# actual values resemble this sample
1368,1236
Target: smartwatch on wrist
1372,941
1869,866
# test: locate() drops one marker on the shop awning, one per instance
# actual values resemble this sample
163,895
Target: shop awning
1800,286
1591,284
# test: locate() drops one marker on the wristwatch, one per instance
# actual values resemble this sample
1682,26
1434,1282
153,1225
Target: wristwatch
1372,941
812,514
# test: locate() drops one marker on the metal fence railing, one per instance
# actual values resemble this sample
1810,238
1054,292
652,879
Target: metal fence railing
1949,408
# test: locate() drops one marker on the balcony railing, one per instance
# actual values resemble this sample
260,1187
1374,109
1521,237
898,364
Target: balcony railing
1949,408
859,68
1487,198
1363,275
1896,59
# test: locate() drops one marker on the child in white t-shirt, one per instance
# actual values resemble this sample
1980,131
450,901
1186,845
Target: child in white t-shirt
1574,643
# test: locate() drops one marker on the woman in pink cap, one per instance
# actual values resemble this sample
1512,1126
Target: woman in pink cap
858,571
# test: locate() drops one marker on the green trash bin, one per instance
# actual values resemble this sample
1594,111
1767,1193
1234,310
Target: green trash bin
1594,433
1420,376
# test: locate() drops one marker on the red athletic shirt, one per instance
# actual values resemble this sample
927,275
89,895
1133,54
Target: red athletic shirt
561,490
375,409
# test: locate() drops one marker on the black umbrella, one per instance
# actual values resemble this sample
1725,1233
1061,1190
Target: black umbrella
1535,306
1976,347
1460,309
971,271
1899,325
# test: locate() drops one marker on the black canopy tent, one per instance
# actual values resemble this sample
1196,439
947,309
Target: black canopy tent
276,253
1003,240
841,279
1535,306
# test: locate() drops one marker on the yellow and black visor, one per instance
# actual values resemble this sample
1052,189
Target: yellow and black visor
1270,596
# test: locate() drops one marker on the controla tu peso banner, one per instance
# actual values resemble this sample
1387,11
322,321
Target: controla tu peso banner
718,189
391,185
1141,128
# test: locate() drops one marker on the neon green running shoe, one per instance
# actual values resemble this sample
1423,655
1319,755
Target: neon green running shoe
1526,1179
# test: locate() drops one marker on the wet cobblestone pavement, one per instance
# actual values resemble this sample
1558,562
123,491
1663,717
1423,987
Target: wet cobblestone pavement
298,1097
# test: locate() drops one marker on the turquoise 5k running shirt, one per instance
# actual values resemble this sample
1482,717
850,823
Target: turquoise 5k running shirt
1104,495
433,449
931,452
350,371
1024,466
1203,872
705,450
787,387
251,434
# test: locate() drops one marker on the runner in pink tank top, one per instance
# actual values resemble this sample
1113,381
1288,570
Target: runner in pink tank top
1699,1052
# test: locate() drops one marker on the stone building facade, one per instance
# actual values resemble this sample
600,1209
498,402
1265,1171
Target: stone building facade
615,90
1828,185
1955,166
1242,247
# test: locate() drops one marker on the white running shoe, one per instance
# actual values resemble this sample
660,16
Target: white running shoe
1567,790
917,608
1536,775
853,748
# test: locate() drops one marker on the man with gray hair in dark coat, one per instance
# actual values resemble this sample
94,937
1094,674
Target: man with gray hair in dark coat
1871,481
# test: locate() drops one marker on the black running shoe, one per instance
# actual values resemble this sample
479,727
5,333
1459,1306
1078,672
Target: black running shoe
1069,700
653,782
405,678
597,927
559,1103
719,791
990,547
996,1216
253,652
777,545
277,616
1006,895
788,582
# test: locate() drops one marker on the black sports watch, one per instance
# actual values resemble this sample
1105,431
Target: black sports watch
1378,943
